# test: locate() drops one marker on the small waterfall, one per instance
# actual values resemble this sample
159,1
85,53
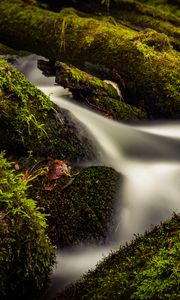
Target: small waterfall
147,154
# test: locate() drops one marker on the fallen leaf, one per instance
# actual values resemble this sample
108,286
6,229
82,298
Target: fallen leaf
58,168
50,187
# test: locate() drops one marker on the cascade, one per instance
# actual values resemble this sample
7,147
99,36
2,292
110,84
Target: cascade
148,155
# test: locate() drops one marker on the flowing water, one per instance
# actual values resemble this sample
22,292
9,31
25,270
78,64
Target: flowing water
148,155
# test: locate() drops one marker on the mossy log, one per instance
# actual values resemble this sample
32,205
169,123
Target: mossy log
141,16
101,95
145,61
31,122
79,204
166,5
137,14
147,268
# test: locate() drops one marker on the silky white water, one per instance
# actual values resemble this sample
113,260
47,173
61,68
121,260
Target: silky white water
147,155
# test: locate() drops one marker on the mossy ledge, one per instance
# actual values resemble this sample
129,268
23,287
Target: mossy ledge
79,205
31,122
26,254
145,269
151,76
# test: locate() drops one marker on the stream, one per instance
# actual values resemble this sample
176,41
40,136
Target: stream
147,154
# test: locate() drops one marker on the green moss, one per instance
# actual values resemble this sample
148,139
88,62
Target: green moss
147,268
142,22
76,79
26,254
169,6
160,277
118,110
141,16
80,207
30,121
158,41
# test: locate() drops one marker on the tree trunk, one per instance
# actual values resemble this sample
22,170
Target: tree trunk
146,61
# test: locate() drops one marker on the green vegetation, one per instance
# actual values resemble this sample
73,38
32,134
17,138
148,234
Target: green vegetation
26,254
31,122
164,5
146,269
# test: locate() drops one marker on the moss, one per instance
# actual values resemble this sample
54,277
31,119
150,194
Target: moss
142,22
158,41
169,6
30,121
79,206
81,80
26,254
118,110
138,15
147,268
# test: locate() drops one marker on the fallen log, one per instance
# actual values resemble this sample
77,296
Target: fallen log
145,61
101,95
132,13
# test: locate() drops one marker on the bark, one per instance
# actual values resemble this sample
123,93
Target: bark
100,95
145,61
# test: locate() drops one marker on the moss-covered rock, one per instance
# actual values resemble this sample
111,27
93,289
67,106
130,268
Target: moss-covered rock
26,254
80,205
31,122
146,269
